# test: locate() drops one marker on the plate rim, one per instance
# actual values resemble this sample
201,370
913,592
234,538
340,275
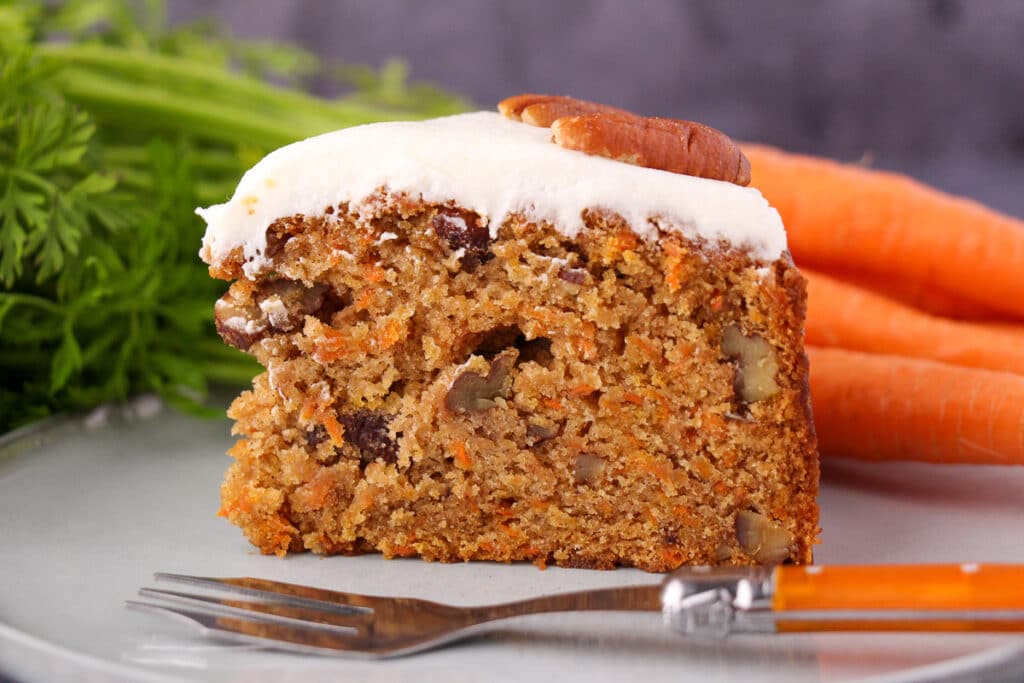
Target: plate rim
983,665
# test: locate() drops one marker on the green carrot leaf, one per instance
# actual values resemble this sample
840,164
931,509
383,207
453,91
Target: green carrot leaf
66,361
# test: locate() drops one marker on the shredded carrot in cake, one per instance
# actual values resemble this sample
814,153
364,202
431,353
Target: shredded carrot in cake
674,266
672,556
664,406
390,334
334,429
331,345
713,423
363,302
646,348
462,460
374,274
512,531
308,408
661,470
702,466
619,243
504,510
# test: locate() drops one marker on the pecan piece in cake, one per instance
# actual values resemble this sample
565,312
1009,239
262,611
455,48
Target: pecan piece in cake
538,431
756,364
275,306
763,540
473,393
587,468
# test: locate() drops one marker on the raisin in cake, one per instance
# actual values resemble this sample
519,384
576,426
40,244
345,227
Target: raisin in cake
485,344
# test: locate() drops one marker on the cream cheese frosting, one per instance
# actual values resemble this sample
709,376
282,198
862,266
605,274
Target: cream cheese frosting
488,164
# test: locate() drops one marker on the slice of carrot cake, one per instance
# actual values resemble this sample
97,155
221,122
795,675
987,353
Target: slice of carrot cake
562,333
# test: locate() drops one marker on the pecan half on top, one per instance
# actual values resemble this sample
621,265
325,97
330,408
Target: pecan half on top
543,110
665,144
673,145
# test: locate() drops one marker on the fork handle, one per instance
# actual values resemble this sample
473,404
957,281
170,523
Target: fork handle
950,597
954,597
900,587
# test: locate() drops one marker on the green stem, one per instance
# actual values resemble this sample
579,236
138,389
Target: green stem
214,192
230,373
33,301
200,159
214,80
223,162
146,107
133,178
214,348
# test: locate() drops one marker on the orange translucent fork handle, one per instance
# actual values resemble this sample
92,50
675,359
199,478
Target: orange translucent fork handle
955,597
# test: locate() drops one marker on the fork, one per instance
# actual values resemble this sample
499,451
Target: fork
701,601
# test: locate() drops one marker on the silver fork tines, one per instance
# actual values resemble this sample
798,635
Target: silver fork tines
306,619
264,632
345,622
291,593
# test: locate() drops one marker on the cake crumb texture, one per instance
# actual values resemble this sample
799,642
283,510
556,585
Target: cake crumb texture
438,388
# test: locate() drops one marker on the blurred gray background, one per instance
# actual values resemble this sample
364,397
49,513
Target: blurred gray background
934,88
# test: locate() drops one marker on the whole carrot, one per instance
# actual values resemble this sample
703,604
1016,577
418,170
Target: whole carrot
841,216
848,317
923,297
891,408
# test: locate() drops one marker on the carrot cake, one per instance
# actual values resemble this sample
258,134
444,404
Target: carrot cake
560,333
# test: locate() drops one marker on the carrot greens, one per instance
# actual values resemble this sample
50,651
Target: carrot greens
113,127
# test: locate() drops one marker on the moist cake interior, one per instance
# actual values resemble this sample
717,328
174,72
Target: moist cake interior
444,388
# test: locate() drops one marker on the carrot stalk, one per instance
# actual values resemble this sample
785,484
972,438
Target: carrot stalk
877,407
842,216
844,316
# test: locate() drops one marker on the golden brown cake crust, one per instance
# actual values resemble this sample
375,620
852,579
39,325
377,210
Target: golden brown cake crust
588,402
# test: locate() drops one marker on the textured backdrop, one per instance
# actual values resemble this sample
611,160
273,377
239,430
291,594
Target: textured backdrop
933,88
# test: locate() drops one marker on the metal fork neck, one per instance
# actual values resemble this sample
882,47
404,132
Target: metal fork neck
625,598
717,601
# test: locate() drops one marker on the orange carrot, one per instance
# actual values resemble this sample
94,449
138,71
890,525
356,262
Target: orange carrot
842,216
844,316
922,297
890,408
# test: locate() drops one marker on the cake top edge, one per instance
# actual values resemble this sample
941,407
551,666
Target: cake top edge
488,164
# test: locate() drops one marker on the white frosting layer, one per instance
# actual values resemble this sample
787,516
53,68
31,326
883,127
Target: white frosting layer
490,165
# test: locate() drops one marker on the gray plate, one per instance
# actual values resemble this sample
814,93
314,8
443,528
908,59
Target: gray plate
92,508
